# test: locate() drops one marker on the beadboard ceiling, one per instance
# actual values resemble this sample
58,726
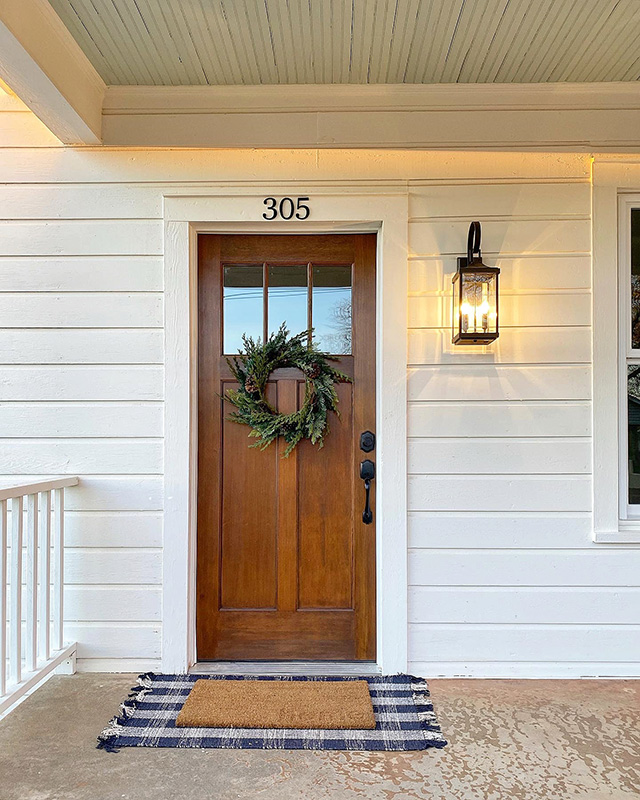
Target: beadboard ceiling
250,42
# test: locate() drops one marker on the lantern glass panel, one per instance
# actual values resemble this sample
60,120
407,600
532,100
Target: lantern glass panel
478,312
455,314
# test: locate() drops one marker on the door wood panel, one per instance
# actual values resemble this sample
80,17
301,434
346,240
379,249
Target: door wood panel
285,565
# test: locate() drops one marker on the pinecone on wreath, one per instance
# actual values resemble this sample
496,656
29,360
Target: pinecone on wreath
250,385
314,371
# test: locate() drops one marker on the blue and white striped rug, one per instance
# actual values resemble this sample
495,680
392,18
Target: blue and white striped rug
405,719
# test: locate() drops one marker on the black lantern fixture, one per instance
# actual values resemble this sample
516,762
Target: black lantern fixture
475,296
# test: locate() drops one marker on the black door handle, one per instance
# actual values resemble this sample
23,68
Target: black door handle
367,473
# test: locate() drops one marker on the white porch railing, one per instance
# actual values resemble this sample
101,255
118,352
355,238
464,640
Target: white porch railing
32,574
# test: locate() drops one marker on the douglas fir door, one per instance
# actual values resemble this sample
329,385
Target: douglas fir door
285,565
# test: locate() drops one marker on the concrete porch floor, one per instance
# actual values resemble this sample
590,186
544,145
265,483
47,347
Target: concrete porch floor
508,740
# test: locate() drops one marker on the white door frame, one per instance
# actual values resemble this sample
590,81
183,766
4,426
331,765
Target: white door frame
333,210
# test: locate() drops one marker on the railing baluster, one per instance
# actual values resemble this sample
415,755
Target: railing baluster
43,540
4,553
31,643
15,641
58,569
44,570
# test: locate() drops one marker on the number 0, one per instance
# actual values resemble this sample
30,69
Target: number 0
289,206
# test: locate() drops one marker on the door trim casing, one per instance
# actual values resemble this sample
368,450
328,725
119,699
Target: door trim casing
378,210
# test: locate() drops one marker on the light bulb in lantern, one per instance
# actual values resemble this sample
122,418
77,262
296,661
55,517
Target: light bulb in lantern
466,312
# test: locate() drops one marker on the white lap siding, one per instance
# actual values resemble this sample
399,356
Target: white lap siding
504,578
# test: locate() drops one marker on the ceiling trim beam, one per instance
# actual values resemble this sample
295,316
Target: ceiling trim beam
42,63
581,117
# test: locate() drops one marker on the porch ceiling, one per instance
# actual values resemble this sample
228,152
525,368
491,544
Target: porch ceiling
236,42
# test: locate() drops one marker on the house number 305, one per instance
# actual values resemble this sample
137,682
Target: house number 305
286,208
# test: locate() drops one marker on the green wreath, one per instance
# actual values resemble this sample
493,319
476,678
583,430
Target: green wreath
252,369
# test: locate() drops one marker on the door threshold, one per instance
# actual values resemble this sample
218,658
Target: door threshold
285,668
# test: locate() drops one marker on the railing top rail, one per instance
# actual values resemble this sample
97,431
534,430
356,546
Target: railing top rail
24,489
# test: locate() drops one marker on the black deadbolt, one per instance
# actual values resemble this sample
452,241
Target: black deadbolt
367,441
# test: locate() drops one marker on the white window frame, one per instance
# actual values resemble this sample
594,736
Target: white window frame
616,189
628,513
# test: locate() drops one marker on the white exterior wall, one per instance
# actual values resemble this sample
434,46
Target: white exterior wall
504,577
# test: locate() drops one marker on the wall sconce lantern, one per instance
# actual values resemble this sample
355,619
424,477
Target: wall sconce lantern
475,296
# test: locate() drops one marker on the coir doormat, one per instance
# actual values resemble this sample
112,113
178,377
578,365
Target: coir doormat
327,705
404,718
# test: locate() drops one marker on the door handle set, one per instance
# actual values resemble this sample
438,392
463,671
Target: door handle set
367,473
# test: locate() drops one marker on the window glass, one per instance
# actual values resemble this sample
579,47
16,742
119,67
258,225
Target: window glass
633,419
635,278
332,308
243,304
288,298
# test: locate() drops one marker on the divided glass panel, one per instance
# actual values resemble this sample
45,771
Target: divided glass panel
332,308
633,435
288,298
242,304
635,278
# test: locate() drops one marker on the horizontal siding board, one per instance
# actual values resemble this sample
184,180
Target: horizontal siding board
476,382
83,457
208,167
86,274
526,643
116,529
489,456
134,665
104,640
518,346
524,669
506,419
523,310
530,274
499,493
104,493
513,200
60,346
81,383
111,566
590,568
438,238
81,310
505,531
74,420
112,604
548,606
80,202
78,238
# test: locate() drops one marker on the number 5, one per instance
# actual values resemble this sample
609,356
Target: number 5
301,207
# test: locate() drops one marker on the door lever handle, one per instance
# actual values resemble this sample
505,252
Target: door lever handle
367,473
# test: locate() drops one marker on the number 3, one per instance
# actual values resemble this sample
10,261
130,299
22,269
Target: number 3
285,208
270,203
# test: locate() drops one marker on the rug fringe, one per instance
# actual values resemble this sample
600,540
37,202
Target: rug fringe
115,726
426,714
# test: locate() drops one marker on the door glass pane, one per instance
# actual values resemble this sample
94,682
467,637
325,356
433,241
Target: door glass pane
288,298
635,278
243,304
633,413
332,308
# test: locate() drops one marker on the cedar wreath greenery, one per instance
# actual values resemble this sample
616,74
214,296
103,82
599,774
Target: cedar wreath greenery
252,369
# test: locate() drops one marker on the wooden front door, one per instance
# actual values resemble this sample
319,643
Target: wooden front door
286,566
